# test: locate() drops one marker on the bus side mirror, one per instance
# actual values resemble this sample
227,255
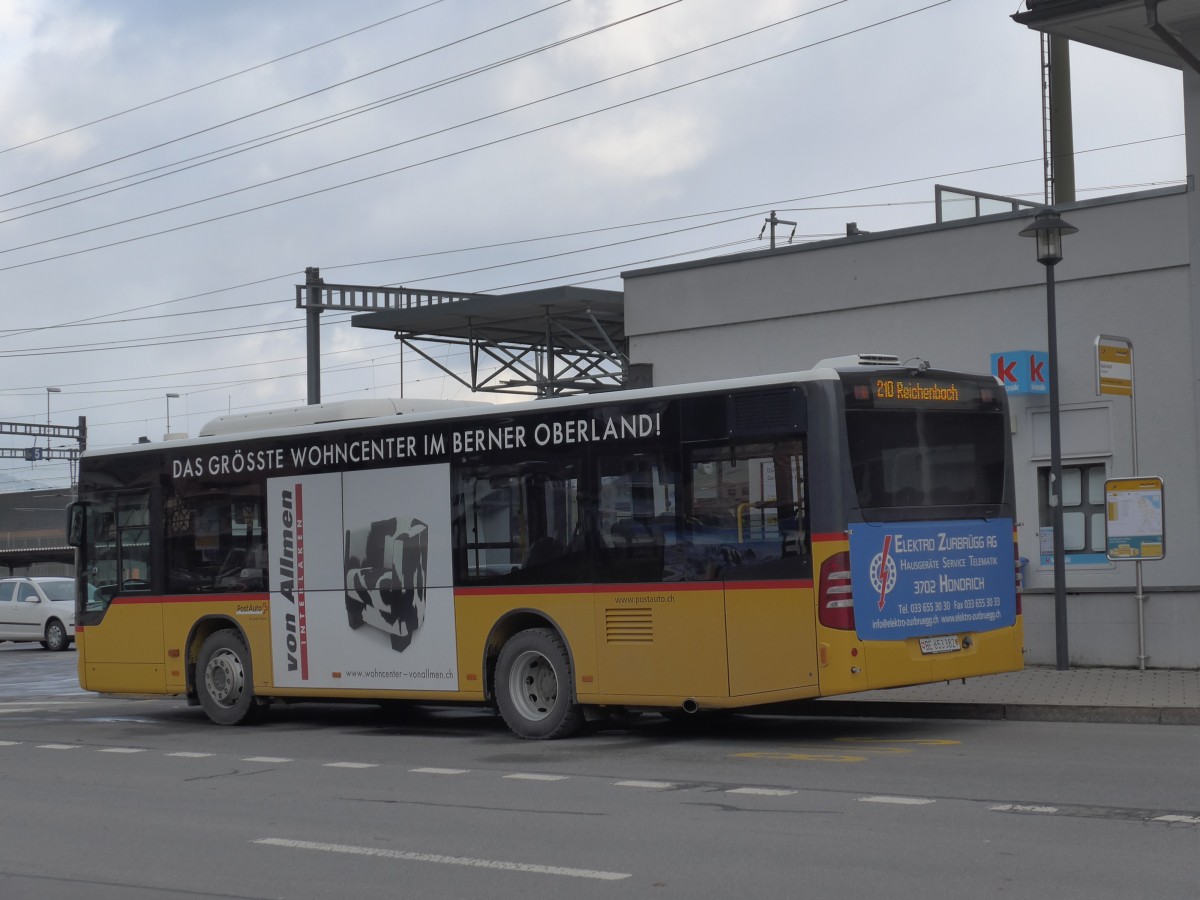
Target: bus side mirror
76,523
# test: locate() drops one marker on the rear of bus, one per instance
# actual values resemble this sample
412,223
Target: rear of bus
916,558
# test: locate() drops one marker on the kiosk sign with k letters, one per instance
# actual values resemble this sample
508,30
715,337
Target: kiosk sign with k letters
1022,372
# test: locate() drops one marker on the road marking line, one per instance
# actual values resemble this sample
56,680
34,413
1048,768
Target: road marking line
266,759
351,765
9,743
760,792
904,801
651,785
927,742
40,702
1017,807
122,750
58,746
1186,820
533,776
826,756
187,754
433,771
408,856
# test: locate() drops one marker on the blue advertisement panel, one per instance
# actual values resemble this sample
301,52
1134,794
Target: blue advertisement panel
913,579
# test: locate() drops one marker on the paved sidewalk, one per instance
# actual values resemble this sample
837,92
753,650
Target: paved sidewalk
1043,693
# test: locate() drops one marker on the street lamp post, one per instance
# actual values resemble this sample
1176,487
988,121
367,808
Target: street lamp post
170,397
1049,228
49,391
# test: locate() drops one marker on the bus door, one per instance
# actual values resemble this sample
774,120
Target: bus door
659,632
748,526
119,629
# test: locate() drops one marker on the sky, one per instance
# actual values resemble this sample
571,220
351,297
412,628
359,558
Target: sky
169,170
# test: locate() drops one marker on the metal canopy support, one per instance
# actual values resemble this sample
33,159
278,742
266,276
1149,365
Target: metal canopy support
523,369
545,343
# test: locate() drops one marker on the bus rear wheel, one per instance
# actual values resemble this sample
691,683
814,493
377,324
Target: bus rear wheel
535,686
224,680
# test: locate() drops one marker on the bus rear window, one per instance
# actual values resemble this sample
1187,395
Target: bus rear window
901,459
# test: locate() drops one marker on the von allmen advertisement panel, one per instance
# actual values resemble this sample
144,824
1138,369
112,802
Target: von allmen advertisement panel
361,581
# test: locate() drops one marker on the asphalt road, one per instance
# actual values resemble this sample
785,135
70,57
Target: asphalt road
120,798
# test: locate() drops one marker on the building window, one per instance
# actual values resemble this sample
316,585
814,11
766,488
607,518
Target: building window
1083,514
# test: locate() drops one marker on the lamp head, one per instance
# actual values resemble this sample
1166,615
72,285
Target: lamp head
1048,227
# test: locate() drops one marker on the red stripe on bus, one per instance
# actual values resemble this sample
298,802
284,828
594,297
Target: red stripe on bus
505,589
829,536
133,599
646,587
781,584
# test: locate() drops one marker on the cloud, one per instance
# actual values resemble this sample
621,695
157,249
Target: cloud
641,147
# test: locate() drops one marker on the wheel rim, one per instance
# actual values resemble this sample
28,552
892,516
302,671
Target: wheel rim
225,677
533,685
54,634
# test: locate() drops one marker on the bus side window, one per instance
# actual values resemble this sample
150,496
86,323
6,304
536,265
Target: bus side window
637,516
746,513
518,523
216,541
117,551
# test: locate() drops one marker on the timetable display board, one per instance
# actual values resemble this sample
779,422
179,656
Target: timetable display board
1133,520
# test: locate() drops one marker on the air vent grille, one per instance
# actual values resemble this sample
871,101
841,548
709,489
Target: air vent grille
764,412
629,626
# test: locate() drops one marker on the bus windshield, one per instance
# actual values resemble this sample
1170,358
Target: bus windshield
906,458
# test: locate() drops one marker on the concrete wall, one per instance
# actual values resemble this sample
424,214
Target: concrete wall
953,294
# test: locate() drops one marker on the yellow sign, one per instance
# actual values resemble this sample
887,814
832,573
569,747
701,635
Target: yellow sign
1116,369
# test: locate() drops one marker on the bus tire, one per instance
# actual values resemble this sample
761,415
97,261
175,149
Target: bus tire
56,636
535,686
225,680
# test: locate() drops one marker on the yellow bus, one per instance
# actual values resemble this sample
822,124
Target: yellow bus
702,547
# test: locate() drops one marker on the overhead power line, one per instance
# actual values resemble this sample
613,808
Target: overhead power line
187,164
210,83
444,156
282,103
105,318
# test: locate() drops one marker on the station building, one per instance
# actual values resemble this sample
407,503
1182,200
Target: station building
969,294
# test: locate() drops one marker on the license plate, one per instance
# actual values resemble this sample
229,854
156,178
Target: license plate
946,643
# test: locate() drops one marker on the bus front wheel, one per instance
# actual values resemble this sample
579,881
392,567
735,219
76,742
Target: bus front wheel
534,686
224,680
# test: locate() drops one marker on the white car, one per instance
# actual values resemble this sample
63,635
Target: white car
40,608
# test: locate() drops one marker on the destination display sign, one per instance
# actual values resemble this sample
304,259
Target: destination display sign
899,390
916,390
916,579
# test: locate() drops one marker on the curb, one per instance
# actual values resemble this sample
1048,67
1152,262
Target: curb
1016,712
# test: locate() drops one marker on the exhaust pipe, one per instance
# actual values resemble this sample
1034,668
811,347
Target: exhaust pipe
690,706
